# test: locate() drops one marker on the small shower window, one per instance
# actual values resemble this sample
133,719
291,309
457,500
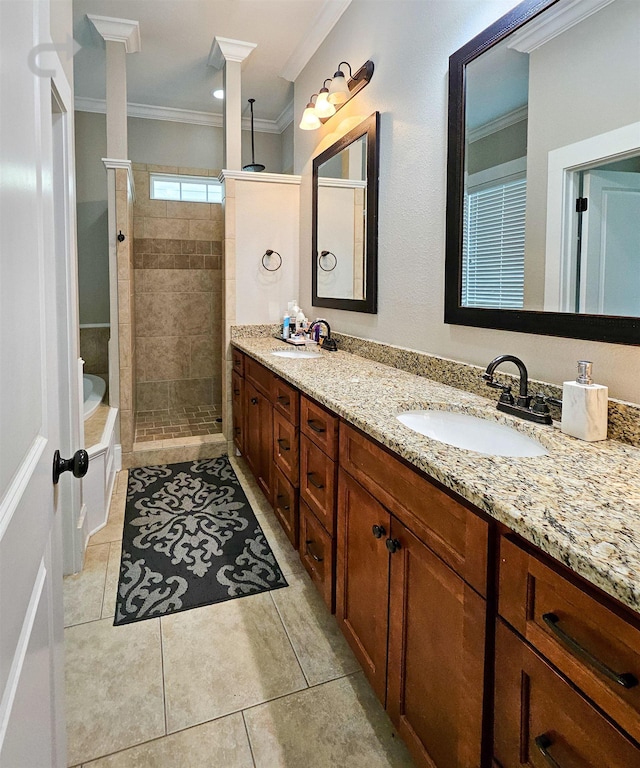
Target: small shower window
186,189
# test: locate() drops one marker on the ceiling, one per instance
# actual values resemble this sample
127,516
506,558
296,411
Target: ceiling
171,69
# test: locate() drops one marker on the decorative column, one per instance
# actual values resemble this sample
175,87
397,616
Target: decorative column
121,36
230,54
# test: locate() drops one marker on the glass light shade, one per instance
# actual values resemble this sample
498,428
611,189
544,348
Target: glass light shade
338,89
324,108
310,120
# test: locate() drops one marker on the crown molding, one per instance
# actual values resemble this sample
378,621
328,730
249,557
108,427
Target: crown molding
324,22
274,178
126,31
504,121
173,115
553,22
111,163
224,49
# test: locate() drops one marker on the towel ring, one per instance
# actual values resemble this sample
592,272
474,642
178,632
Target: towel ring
322,255
269,253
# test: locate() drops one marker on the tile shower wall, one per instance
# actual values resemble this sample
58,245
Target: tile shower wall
178,307
94,349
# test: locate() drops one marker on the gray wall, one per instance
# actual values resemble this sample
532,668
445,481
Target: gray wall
410,43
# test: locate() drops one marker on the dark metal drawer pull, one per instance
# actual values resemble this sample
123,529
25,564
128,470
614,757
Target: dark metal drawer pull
393,545
315,426
543,742
282,496
236,391
284,443
313,555
236,430
378,531
254,401
311,475
283,399
625,679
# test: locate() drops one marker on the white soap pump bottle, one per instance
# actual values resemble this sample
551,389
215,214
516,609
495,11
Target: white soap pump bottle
584,406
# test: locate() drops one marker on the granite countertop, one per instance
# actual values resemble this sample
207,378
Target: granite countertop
580,503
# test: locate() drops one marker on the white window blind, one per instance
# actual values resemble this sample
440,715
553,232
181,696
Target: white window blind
192,189
493,246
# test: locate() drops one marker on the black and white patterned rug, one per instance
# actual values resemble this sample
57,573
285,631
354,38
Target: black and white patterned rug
190,539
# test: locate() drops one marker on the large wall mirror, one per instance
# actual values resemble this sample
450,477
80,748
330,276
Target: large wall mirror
345,221
543,196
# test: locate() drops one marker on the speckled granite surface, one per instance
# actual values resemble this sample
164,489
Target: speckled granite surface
580,504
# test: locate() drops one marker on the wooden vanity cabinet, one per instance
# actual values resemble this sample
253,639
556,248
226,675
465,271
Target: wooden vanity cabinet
237,401
286,456
416,626
542,721
258,431
586,636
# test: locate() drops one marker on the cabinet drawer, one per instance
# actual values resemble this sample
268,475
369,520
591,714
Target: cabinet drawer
453,532
286,400
536,711
237,397
318,482
259,376
316,553
319,425
285,505
589,642
285,447
237,358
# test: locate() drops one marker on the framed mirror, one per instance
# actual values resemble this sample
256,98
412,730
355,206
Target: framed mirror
345,221
543,174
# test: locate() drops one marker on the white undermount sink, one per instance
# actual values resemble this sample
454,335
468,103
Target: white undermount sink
472,433
296,354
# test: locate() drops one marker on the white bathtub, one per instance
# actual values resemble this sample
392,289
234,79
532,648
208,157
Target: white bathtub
93,388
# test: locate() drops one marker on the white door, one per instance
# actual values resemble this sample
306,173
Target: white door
31,635
610,279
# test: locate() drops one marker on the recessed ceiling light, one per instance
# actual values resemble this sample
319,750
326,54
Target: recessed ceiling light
218,94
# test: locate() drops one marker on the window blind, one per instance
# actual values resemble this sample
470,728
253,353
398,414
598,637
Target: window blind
493,246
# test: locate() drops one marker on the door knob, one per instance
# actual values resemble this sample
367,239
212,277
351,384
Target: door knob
378,531
78,464
393,545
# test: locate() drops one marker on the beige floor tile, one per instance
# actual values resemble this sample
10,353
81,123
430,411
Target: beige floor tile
83,591
222,743
339,723
122,479
113,529
111,580
114,694
287,557
321,649
225,657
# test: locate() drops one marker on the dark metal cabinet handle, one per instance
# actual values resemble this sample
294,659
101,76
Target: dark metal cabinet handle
236,430
283,399
284,444
236,391
543,742
393,545
315,426
317,558
378,531
78,464
625,679
281,496
254,401
313,482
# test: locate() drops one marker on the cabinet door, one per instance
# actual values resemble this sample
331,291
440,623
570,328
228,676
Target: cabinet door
258,436
362,579
436,656
318,474
316,554
237,396
541,721
286,447
285,505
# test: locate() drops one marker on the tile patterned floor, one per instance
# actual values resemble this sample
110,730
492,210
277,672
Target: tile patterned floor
188,421
266,681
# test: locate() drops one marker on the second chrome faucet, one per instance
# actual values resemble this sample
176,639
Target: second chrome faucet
523,407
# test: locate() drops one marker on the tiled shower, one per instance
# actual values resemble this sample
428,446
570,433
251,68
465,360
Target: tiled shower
178,309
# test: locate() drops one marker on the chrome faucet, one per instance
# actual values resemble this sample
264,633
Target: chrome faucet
328,343
522,407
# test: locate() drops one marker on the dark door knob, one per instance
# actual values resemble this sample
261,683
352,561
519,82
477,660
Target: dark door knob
393,545
78,464
378,531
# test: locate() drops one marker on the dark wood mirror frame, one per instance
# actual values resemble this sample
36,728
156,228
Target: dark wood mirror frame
370,129
619,330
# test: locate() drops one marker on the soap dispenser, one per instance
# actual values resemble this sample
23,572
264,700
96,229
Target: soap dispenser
584,406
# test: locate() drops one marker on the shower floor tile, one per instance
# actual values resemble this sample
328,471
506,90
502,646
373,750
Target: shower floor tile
188,421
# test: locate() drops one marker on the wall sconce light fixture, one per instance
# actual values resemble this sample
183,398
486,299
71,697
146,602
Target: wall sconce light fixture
340,91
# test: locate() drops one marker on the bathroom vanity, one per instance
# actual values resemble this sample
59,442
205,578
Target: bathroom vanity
447,569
